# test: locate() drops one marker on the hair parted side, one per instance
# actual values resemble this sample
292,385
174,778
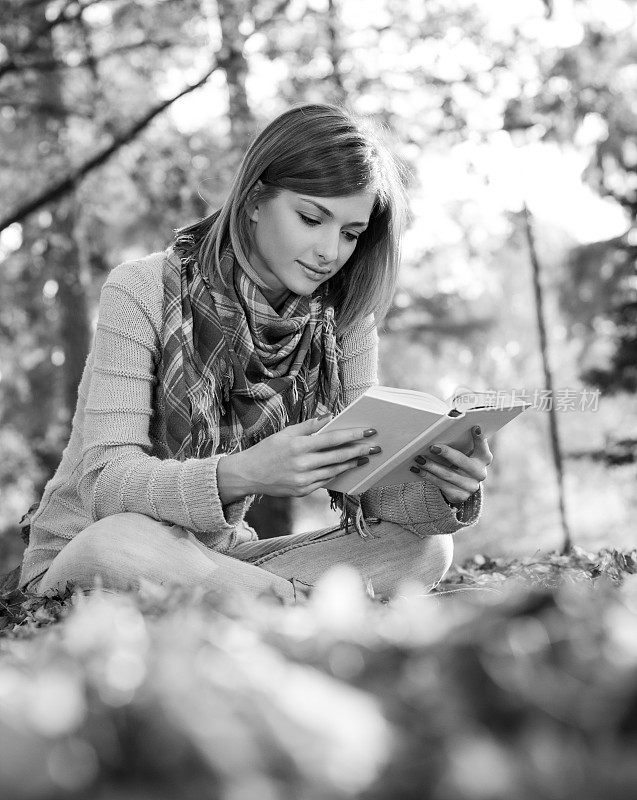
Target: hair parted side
322,150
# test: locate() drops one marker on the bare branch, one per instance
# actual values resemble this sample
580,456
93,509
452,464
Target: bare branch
70,182
53,64
50,109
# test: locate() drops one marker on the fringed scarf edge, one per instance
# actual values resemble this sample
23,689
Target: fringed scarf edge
352,513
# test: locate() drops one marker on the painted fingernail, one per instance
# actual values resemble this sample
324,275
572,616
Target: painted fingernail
414,470
369,432
362,461
436,449
375,449
324,416
477,430
420,460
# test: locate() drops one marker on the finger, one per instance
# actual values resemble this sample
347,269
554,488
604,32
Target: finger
333,439
472,466
309,426
325,474
340,455
453,493
457,479
481,446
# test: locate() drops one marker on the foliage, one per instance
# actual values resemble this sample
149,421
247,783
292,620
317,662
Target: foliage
514,680
462,89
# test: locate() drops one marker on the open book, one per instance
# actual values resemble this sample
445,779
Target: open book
407,422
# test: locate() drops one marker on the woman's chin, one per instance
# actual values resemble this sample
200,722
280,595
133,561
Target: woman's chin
304,288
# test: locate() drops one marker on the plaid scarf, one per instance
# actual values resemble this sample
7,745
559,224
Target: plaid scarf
233,370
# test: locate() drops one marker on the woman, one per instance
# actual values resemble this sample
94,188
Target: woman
213,364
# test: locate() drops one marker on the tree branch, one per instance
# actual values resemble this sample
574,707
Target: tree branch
52,64
70,182
50,109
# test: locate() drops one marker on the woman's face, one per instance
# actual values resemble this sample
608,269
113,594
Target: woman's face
300,241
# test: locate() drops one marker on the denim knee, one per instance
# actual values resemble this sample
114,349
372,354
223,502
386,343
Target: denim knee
429,558
439,555
94,552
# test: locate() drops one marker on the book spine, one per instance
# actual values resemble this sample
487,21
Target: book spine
411,449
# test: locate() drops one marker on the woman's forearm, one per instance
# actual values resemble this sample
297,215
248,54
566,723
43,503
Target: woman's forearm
231,480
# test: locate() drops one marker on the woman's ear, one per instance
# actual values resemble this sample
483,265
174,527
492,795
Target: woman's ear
252,201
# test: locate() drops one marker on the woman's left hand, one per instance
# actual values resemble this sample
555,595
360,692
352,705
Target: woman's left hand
463,477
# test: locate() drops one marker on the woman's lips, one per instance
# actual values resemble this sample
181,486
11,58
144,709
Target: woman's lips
314,272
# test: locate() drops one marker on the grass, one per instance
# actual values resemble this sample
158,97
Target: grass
515,679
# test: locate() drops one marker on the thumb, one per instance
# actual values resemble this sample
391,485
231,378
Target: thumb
310,426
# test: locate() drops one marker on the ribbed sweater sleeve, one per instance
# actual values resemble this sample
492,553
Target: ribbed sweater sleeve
420,507
118,472
359,359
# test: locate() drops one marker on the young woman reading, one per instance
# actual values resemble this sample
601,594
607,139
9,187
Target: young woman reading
213,364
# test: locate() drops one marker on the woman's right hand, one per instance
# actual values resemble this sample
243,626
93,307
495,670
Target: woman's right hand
292,462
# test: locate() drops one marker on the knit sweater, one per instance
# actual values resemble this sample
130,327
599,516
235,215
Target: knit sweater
115,458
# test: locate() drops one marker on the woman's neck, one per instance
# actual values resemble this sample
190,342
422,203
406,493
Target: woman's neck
276,298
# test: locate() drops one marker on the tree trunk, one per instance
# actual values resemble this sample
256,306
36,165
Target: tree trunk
548,380
270,516
59,324
74,327
232,62
62,254
335,51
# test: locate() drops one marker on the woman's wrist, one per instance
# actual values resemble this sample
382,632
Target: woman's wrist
451,503
231,482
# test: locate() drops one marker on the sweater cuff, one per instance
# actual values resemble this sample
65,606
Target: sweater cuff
420,508
233,512
448,518
213,522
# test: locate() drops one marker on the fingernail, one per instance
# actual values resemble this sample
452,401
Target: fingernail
436,449
421,460
477,430
362,461
375,449
414,469
369,432
324,416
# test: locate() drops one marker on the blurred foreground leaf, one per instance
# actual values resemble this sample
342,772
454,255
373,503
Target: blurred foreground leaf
509,682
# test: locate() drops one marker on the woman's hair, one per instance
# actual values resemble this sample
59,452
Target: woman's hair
325,151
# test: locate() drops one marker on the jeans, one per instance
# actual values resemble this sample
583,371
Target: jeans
125,550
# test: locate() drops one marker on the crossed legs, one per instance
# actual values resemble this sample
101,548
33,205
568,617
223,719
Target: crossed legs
125,549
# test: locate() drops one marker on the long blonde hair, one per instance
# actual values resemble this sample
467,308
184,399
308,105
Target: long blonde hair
326,151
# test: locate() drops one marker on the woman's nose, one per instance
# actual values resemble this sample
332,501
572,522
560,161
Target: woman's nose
327,246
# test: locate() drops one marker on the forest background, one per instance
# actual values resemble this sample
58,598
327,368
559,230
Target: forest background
121,121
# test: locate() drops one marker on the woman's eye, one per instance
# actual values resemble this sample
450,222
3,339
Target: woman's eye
309,220
350,237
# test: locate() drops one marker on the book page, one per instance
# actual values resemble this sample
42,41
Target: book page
464,399
409,397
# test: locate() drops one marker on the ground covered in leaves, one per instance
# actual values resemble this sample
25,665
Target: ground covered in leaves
515,679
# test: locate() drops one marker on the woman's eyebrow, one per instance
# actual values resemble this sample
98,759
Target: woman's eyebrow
328,213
